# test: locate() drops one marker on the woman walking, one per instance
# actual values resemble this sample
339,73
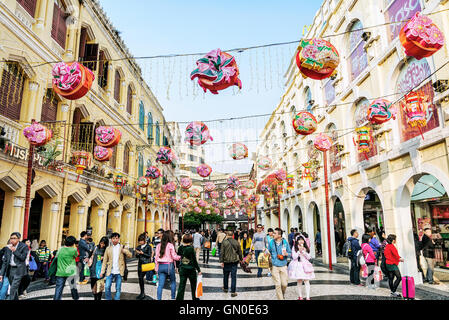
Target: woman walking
370,259
165,267
143,253
188,267
245,244
66,269
95,264
392,260
300,267
205,244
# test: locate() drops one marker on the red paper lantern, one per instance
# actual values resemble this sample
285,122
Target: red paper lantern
305,123
317,59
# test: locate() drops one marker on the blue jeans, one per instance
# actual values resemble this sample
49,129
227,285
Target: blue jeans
60,283
166,270
259,270
108,284
230,268
4,285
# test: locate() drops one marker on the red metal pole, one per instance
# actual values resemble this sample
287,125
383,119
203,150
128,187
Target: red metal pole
279,210
326,192
255,216
169,216
182,214
28,191
146,205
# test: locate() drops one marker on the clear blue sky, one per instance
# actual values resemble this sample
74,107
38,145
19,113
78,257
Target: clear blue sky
165,27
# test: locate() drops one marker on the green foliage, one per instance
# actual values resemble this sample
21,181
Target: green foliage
193,219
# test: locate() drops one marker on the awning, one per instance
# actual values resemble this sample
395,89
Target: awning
428,187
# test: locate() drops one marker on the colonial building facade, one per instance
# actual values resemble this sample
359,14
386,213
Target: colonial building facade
33,32
402,184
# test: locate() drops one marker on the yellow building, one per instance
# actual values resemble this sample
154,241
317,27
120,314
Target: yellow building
403,183
36,31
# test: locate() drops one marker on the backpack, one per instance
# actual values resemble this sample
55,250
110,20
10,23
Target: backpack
347,250
360,258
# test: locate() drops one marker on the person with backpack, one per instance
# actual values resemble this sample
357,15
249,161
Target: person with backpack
300,268
188,267
43,254
279,251
370,260
205,245
230,256
392,260
353,247
66,269
95,264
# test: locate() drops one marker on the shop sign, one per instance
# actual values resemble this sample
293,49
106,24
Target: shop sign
400,10
16,152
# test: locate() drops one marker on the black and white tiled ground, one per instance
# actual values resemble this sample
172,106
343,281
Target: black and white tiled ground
326,286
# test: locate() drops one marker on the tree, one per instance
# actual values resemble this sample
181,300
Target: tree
196,220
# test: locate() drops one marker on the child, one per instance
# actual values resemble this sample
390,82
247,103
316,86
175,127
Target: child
300,268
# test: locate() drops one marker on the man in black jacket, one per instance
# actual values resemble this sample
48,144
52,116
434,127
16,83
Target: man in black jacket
428,250
83,248
230,255
13,265
354,273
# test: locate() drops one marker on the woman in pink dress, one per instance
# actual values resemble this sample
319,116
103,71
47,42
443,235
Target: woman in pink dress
300,267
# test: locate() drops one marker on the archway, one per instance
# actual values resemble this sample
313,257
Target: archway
2,202
286,225
373,218
157,222
339,226
430,209
316,230
313,225
35,218
140,228
298,217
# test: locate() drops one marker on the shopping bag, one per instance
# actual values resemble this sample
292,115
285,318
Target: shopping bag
86,271
199,287
148,267
53,267
247,259
364,271
378,276
263,261
214,251
32,264
98,269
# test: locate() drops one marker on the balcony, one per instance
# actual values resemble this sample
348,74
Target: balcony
12,129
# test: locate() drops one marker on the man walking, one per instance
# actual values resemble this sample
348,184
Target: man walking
428,250
114,266
318,242
197,237
220,237
260,243
83,248
230,255
14,265
291,235
280,251
354,248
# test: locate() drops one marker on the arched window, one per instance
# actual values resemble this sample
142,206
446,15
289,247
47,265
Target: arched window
150,126
158,134
117,86
140,166
142,116
360,120
358,60
308,101
129,100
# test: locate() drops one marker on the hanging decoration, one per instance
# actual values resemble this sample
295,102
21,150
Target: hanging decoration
280,188
216,210
195,193
322,142
420,37
305,123
165,155
238,151
307,173
363,140
290,182
197,133
102,154
250,184
415,108
238,202
380,111
197,210
171,186
265,188
227,212
317,59
215,204
264,163
244,192
107,137
229,203
184,195
72,80
153,173
81,159
281,175
233,182
119,182
186,183
214,195
172,201
204,170
229,193
209,186
202,203
216,71
37,134
143,182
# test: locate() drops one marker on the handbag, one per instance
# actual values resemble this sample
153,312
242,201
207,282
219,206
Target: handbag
207,244
307,266
378,276
214,251
148,267
32,264
91,259
263,261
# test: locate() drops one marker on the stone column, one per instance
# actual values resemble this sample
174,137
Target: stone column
119,162
78,218
13,214
115,216
50,222
98,222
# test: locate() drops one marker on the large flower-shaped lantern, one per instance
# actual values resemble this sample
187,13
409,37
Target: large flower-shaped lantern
233,182
216,71
71,80
322,142
317,59
380,111
197,133
238,151
165,155
153,172
229,193
102,154
305,123
209,186
204,170
264,163
37,134
107,137
186,183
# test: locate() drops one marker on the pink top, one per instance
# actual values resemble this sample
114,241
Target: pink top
368,251
169,256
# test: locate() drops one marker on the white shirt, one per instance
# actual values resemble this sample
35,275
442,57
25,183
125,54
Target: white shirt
115,257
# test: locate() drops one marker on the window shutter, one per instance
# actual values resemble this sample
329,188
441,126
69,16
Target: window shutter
101,64
129,105
62,29
113,160
126,160
29,6
117,86
150,125
83,41
141,116
49,108
54,25
11,91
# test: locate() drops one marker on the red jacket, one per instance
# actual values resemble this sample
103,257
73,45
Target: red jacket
391,254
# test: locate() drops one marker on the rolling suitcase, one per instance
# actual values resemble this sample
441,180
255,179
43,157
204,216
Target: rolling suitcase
408,288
